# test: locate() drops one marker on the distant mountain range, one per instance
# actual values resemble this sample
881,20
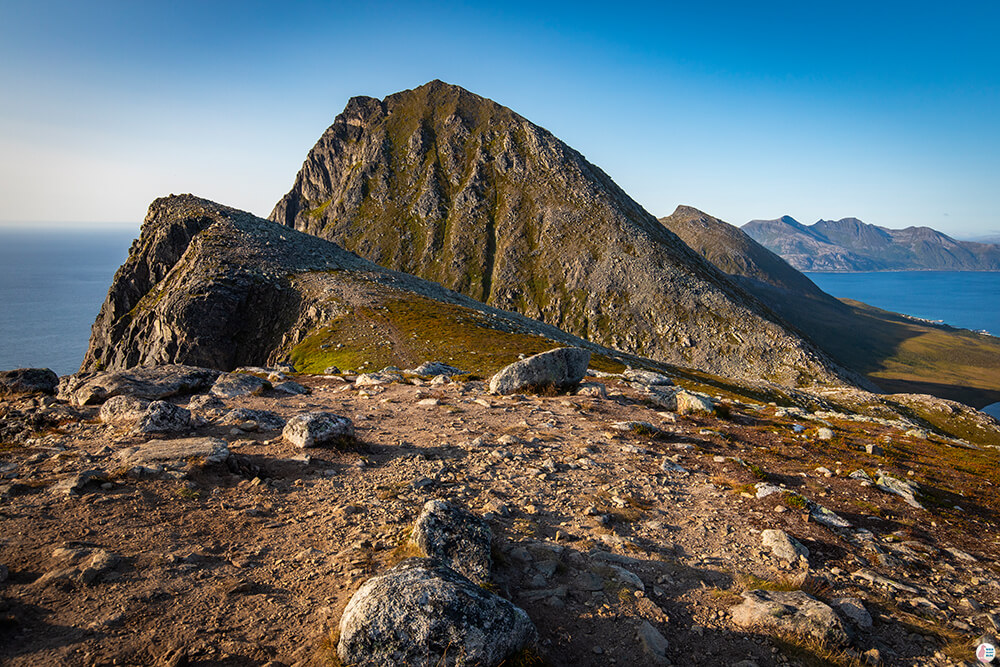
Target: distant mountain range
852,245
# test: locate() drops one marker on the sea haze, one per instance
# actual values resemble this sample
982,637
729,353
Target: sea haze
52,284
965,299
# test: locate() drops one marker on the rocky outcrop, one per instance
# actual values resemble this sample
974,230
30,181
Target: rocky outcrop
28,381
211,286
558,369
422,612
455,188
151,384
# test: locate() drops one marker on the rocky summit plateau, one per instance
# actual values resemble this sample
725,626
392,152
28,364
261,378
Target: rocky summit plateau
595,439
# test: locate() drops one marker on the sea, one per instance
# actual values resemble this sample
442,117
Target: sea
52,284
964,299
54,280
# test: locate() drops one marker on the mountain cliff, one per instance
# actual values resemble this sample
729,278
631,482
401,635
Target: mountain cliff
455,188
852,245
208,285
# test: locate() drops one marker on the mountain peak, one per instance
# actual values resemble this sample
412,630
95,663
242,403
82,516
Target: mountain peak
453,187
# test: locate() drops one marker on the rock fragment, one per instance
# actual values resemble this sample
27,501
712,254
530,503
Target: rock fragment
163,417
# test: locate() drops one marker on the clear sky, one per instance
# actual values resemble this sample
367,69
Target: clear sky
886,111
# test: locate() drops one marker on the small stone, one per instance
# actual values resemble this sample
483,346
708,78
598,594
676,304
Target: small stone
824,434
874,450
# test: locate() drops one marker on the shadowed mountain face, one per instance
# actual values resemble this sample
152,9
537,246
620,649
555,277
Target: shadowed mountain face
208,285
897,353
852,245
457,189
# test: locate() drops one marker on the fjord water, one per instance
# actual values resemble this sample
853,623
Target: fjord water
965,299
52,283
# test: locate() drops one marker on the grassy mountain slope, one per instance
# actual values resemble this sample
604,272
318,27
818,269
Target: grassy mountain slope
454,188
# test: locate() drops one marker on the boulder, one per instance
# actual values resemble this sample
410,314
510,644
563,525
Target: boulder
646,378
422,612
456,537
211,450
28,381
782,545
317,428
435,368
691,403
266,420
234,385
375,379
150,383
662,396
560,369
905,489
796,612
163,417
123,410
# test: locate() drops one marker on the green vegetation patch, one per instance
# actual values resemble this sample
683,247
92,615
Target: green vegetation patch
406,330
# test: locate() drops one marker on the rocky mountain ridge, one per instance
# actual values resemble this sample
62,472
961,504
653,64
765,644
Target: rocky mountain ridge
896,353
212,286
852,245
455,188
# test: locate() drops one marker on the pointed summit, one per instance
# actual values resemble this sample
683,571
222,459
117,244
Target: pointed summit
455,188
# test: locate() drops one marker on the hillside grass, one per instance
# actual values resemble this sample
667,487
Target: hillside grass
406,331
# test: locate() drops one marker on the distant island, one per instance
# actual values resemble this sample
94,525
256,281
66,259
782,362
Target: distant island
852,245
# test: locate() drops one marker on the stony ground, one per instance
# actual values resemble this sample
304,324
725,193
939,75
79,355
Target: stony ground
598,525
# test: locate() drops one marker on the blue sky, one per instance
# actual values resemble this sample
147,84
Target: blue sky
885,111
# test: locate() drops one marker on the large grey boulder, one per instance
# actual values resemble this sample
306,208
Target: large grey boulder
317,428
456,537
422,612
163,417
150,383
789,611
28,381
234,385
122,410
561,368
